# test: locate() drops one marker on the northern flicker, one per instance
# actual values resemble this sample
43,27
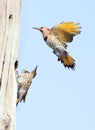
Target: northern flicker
24,81
57,38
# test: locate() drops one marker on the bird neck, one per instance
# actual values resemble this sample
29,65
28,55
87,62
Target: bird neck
45,34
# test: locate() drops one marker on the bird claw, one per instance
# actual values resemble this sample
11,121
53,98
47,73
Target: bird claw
55,53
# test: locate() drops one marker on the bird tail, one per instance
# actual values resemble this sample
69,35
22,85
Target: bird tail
67,60
17,101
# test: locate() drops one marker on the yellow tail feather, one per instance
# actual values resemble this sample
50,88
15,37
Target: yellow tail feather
67,60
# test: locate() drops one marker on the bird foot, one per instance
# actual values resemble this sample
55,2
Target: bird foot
56,53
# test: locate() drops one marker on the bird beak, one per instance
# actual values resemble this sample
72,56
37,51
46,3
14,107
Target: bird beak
35,71
36,28
36,68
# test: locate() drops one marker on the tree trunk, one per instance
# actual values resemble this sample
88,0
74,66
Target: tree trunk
10,11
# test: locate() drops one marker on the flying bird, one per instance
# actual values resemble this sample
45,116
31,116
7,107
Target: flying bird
24,81
57,38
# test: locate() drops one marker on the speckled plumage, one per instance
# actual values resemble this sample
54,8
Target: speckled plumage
24,81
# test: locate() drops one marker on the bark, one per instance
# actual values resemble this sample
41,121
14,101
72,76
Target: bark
10,11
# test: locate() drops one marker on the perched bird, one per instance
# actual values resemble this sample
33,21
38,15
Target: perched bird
57,38
24,81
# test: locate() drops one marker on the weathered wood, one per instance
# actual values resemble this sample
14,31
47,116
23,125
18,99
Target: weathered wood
10,11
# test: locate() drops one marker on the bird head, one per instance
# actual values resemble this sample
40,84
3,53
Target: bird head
45,31
24,71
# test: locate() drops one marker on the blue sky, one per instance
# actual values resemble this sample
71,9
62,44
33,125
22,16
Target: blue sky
58,99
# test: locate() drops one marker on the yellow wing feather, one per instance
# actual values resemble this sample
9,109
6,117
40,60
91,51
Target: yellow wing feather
66,31
70,27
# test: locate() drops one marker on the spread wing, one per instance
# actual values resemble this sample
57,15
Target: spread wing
66,31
